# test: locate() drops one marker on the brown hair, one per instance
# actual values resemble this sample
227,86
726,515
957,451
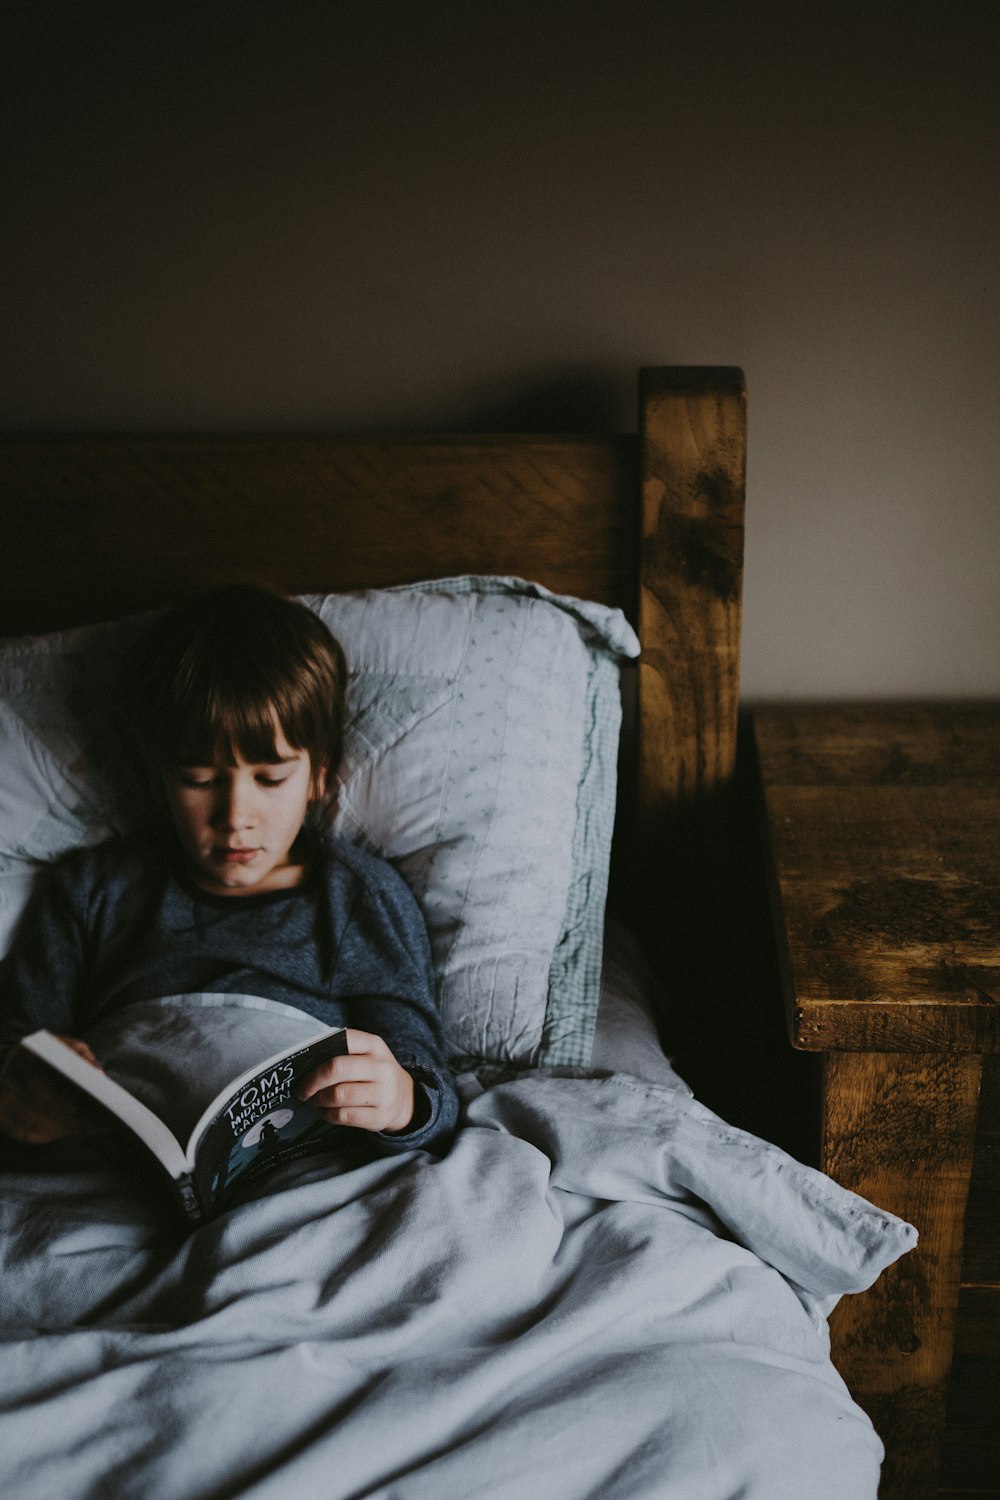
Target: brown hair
212,679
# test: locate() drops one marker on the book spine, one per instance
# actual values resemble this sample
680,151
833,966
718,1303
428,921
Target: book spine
189,1199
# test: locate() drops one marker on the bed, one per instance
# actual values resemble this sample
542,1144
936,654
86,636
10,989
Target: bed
603,1289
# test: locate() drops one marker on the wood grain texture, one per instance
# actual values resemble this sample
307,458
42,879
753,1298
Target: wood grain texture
971,1457
900,1130
93,527
859,744
693,476
885,835
981,1264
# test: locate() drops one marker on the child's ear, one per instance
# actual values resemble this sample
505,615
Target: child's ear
317,791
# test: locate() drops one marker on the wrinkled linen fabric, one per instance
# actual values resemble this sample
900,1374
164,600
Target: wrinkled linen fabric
602,1291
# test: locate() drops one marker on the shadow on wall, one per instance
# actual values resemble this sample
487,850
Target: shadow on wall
588,400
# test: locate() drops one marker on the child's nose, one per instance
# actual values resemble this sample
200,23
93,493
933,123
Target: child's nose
234,808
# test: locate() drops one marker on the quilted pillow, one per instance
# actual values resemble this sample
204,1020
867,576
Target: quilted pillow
480,757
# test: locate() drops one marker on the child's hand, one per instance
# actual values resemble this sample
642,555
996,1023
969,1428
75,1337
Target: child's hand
36,1105
367,1088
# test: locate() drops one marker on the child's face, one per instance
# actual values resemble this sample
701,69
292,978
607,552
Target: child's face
237,824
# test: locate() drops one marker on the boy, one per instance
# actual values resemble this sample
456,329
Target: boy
237,700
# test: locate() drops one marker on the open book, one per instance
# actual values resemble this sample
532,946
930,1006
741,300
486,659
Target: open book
251,1125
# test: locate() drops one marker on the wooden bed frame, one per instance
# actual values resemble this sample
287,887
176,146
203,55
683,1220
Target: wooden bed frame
97,526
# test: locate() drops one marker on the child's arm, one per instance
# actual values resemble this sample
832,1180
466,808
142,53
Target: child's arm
411,1030
366,1089
39,979
392,997
37,1107
41,975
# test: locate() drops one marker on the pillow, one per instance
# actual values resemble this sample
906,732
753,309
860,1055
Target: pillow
65,779
480,758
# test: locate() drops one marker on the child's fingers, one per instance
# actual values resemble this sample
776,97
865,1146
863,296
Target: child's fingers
366,1044
82,1049
357,1117
365,1112
344,1069
352,1093
365,1088
362,1095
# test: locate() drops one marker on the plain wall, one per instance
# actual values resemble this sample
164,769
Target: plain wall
468,215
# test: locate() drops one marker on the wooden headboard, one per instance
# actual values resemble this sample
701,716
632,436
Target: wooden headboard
93,526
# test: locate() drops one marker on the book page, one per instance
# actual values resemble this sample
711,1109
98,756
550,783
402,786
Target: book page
99,1086
178,1053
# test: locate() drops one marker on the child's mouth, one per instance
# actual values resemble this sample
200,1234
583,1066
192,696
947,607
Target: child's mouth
236,856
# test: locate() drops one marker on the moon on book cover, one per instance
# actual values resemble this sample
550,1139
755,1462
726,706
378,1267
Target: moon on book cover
277,1118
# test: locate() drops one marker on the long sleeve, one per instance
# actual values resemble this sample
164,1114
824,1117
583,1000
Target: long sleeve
41,975
386,953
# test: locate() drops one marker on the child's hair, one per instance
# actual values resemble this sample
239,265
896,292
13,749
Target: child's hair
212,679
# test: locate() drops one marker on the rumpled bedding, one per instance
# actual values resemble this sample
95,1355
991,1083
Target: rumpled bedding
601,1291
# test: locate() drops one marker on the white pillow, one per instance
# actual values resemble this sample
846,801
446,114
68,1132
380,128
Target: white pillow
65,779
480,757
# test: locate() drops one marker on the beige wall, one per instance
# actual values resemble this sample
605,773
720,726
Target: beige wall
452,212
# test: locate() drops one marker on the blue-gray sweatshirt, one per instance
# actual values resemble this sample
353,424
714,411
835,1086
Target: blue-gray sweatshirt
123,922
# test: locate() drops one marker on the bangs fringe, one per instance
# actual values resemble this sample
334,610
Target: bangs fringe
220,680
239,720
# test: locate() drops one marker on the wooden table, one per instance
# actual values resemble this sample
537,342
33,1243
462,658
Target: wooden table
884,828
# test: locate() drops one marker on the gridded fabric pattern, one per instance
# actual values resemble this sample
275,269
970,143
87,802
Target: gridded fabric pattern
494,796
574,975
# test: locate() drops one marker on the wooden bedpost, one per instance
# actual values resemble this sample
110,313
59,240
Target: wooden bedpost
692,462
692,436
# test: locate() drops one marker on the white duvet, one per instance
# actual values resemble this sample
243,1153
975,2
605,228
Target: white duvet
601,1291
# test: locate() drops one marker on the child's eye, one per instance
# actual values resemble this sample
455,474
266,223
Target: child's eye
198,782
272,780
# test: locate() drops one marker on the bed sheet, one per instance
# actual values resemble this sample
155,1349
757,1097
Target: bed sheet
602,1290
626,1036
